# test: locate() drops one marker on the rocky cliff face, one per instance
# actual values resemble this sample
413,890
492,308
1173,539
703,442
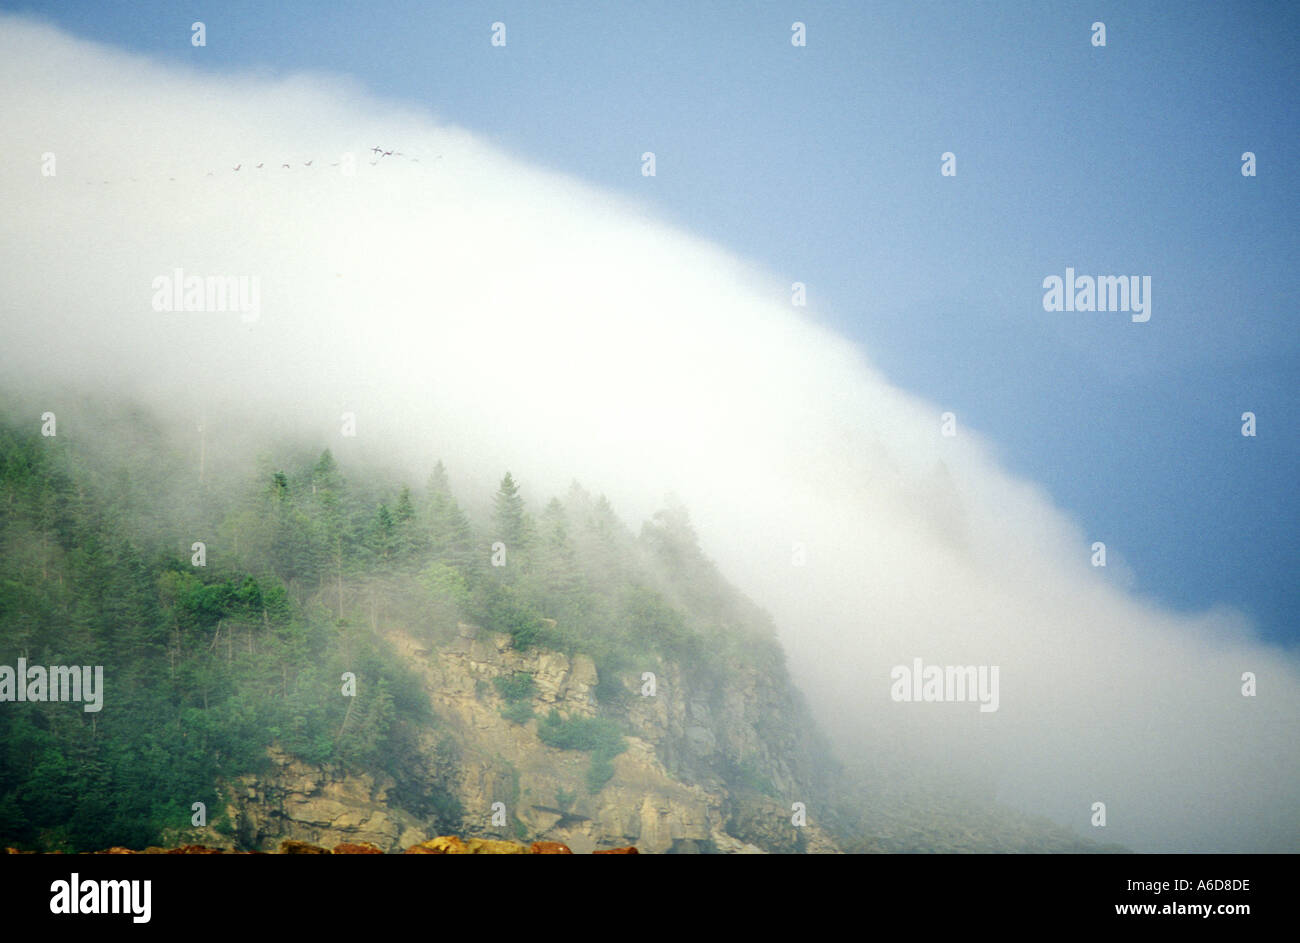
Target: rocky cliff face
704,770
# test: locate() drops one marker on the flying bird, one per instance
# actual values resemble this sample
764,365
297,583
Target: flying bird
376,150
259,166
385,154
237,166
285,166
308,164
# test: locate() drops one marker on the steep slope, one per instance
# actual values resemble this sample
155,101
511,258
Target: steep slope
545,792
573,682
294,650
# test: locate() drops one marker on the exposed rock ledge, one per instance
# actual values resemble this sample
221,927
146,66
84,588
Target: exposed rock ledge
442,845
668,793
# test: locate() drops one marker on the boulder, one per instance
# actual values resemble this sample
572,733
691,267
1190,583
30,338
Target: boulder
488,846
290,847
550,848
442,845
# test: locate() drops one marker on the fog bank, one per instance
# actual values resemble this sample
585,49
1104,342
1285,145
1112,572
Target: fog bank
467,306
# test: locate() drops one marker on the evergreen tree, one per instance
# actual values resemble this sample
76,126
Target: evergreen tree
331,537
405,509
290,550
438,479
382,538
559,575
409,542
209,666
509,518
450,537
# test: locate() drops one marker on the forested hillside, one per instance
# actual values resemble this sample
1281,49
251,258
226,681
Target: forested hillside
303,566
228,594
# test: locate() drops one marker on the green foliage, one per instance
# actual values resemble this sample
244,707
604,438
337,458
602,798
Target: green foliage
208,666
611,693
204,667
499,608
445,584
746,775
520,686
599,771
580,733
518,691
510,519
595,735
518,712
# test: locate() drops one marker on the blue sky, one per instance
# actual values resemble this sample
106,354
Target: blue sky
822,165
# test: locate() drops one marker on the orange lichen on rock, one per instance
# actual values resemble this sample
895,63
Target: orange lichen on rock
365,848
290,847
489,846
442,845
550,848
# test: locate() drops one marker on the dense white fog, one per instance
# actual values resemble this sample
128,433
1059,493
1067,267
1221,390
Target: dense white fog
469,307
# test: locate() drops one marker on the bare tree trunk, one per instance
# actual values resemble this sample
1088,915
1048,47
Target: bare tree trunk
338,562
352,700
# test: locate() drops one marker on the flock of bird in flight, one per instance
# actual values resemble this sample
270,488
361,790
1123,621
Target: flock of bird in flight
378,151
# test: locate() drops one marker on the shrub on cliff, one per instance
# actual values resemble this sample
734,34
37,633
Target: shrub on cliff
595,735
